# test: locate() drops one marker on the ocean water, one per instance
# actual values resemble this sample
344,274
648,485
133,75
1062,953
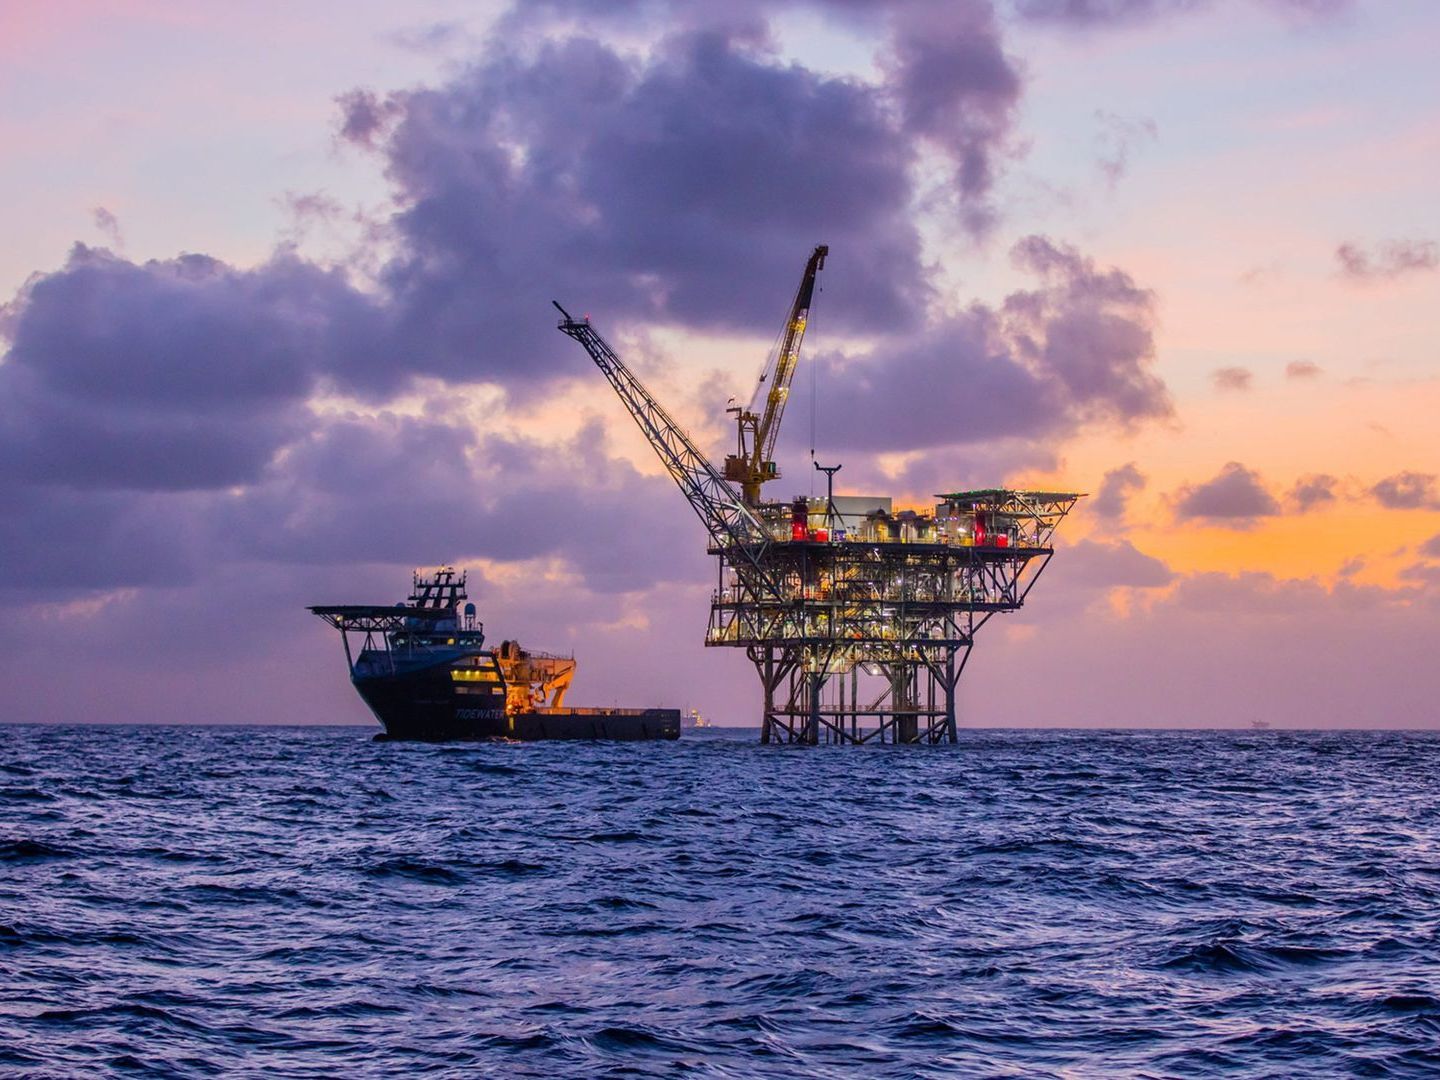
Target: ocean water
305,902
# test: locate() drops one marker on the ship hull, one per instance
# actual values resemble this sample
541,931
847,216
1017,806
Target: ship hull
427,707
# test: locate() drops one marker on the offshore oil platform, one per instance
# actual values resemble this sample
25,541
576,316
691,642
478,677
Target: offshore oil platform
858,618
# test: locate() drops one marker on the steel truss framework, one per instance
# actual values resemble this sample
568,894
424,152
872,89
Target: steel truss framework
824,622
817,616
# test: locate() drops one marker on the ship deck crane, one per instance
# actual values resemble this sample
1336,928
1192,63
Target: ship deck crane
752,464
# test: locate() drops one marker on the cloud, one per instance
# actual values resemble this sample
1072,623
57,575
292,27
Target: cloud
356,489
1117,139
364,117
509,498
1389,260
156,416
1102,565
1431,547
1252,594
62,543
1312,491
172,400
1100,12
1103,13
958,90
685,189
1092,330
1303,369
1116,488
1232,378
429,38
1274,640
680,186
1425,575
943,72
1235,498
1076,350
1407,491
109,226
175,375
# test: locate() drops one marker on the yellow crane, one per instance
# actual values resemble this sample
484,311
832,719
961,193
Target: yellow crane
751,465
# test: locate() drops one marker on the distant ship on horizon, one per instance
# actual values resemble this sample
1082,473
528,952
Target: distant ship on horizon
693,721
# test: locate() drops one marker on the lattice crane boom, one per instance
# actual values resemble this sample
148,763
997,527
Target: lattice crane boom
754,463
728,520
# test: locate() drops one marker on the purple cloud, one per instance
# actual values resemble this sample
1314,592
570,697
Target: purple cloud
1232,378
1116,489
1091,330
1312,491
1078,349
1390,260
364,117
356,490
1235,498
175,375
676,188
958,90
1431,547
61,543
1253,594
1117,139
1104,565
154,417
403,476
1303,369
1407,491
1100,13
168,401
943,70
681,189
675,191
109,227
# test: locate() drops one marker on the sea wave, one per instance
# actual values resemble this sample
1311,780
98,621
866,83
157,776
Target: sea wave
304,902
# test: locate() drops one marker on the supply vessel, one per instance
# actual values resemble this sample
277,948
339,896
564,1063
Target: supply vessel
423,669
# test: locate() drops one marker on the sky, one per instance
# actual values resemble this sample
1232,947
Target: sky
276,329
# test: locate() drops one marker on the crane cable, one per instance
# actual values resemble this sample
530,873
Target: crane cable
769,368
814,384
